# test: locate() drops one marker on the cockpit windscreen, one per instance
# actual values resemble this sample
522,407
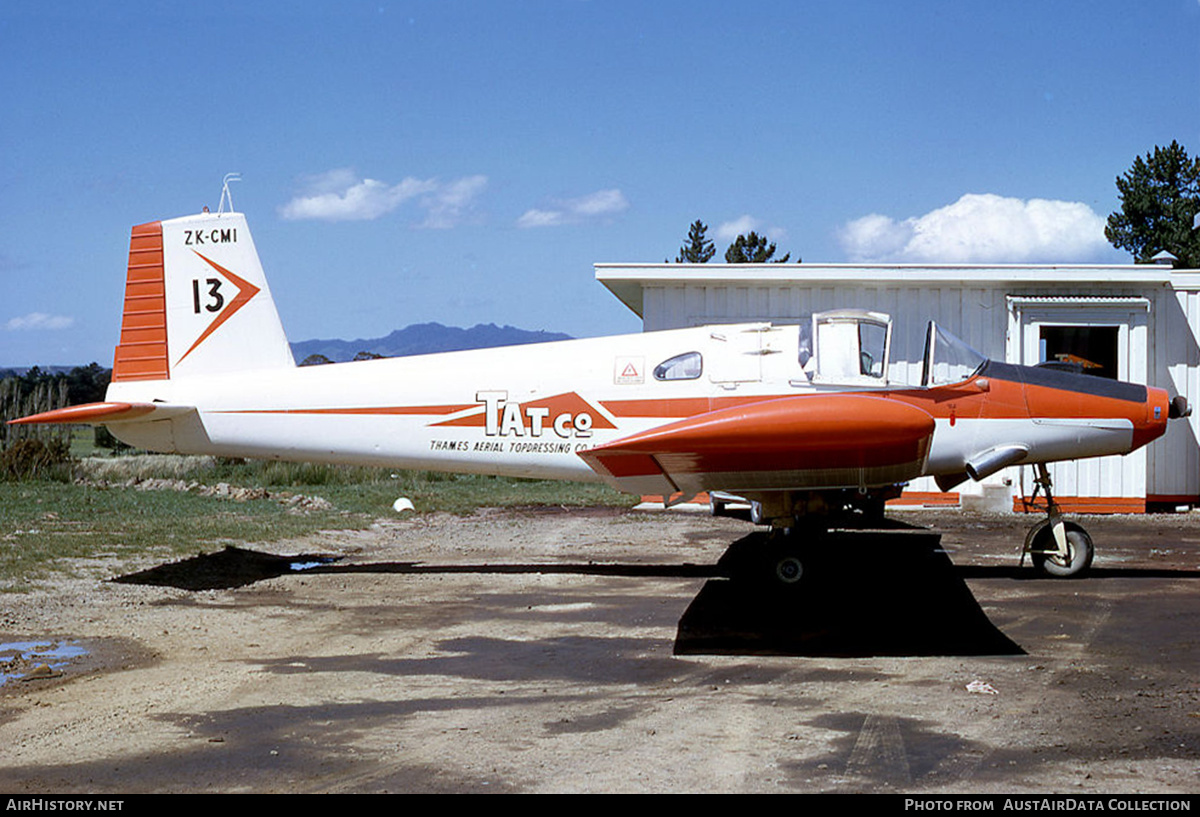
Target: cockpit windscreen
947,358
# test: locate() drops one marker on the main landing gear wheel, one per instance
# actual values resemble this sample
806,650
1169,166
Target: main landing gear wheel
789,569
783,560
1044,550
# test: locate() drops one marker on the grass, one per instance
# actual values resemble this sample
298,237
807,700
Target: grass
368,491
45,526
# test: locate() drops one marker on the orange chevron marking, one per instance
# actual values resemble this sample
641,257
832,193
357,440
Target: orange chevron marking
246,291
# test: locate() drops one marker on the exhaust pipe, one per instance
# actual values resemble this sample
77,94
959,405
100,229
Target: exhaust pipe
988,462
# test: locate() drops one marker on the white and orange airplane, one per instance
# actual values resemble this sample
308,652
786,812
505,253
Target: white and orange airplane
800,420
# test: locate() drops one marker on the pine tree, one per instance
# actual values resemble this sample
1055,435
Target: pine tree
753,249
1160,196
698,249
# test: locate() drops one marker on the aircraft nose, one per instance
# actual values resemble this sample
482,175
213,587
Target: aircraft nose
1179,408
1158,408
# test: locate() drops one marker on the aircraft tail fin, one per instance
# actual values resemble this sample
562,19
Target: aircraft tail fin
197,302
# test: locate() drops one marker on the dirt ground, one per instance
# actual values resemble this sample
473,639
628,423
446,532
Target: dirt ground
532,651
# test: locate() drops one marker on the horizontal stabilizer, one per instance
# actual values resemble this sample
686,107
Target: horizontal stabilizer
817,441
104,413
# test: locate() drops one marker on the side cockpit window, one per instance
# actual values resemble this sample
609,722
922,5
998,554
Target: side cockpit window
872,345
687,366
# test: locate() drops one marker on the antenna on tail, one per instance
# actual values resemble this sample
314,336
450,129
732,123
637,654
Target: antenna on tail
225,195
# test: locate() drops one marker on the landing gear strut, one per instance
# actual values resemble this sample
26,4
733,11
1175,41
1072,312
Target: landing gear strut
1056,547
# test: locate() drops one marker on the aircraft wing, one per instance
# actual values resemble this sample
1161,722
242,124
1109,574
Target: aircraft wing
843,440
105,413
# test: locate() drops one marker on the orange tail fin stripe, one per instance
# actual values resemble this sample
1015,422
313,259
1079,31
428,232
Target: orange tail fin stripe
142,351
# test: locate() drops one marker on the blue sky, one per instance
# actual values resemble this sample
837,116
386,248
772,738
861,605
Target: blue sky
468,162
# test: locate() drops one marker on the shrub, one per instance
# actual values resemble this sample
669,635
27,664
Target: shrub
36,459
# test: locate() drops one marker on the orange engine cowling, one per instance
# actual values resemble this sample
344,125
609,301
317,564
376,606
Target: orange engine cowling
803,442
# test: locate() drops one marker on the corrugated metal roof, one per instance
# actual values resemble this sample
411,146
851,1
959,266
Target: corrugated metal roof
1077,300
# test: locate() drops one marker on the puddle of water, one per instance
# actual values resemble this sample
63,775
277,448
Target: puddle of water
298,566
23,656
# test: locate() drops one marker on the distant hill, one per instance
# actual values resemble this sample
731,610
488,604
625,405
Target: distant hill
423,339
418,339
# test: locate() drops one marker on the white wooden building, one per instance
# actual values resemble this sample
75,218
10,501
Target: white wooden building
1139,323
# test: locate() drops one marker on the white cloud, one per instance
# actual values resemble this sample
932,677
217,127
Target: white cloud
600,203
572,211
448,204
541,218
981,228
339,195
874,237
38,320
730,230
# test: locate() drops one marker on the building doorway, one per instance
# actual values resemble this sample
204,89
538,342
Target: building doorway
1088,349
1097,335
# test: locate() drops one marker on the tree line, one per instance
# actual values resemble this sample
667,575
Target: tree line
1160,203
750,248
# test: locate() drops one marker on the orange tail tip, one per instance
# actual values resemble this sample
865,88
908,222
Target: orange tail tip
100,413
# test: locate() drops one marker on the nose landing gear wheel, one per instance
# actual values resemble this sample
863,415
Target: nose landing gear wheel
1044,550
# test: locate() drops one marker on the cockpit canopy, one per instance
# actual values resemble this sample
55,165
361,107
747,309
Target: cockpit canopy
839,347
853,346
846,346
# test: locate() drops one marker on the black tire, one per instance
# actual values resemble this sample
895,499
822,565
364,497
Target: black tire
1080,551
789,569
784,563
